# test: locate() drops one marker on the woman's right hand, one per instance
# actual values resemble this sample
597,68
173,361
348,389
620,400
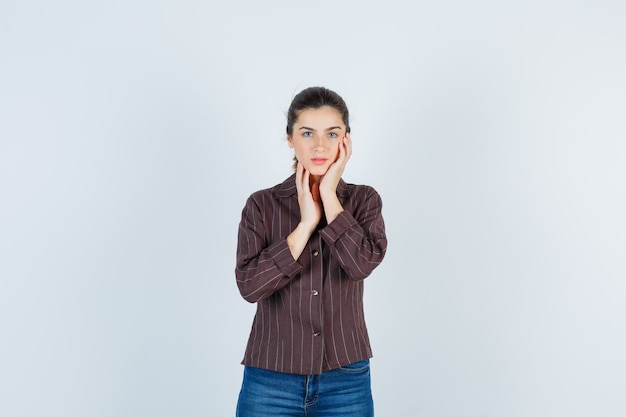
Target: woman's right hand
308,199
310,212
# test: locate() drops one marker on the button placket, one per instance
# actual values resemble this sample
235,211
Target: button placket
315,299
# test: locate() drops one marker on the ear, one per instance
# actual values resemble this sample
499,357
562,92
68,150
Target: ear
290,141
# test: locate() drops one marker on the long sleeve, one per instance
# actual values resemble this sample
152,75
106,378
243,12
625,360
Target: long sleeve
262,267
309,316
358,240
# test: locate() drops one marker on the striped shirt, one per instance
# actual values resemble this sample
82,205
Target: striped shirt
309,316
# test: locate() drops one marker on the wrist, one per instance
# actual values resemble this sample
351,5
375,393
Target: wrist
332,209
328,195
307,227
297,240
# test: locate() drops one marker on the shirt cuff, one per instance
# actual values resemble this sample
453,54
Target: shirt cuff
283,259
338,227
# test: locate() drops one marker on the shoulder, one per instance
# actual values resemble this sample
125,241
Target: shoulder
362,192
268,195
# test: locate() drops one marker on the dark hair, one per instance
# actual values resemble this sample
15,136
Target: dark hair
314,98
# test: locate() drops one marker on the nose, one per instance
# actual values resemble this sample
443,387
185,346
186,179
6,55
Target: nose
320,143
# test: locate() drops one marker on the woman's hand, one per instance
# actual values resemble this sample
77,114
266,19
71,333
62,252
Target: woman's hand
330,180
310,212
308,198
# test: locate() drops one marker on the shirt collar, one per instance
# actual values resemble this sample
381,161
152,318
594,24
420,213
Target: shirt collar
288,188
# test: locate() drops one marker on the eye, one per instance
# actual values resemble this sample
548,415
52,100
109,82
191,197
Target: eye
307,134
333,135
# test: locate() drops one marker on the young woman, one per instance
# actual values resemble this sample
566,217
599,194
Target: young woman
304,248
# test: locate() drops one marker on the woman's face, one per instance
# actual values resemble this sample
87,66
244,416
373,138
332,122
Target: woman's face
315,140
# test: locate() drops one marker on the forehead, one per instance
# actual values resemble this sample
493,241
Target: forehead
320,117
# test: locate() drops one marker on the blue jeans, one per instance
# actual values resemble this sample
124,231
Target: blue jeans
342,392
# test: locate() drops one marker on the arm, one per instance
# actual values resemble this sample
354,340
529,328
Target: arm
262,267
358,241
310,212
265,267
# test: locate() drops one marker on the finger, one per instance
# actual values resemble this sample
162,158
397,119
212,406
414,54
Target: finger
341,158
348,143
299,177
305,181
340,154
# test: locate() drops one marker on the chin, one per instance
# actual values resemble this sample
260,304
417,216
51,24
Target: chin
318,170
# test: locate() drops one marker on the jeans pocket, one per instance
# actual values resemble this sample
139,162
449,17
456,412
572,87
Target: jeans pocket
356,367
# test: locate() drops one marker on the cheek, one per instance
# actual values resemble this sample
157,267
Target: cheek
337,151
300,156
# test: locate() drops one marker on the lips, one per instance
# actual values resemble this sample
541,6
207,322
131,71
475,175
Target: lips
319,161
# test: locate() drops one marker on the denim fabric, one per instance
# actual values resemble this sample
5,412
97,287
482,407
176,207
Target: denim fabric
344,392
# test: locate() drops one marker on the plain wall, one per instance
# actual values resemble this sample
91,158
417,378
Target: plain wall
132,132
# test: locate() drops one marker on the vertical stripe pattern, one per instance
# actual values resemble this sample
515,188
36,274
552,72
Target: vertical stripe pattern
309,315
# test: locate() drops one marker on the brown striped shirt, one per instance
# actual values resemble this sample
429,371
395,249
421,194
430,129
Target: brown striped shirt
309,315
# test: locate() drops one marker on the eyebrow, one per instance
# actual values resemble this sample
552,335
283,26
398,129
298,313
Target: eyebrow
310,128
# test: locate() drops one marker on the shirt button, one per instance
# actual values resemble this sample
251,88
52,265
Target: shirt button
316,334
315,253
314,292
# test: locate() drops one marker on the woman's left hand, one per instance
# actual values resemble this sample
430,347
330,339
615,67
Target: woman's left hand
330,180
328,185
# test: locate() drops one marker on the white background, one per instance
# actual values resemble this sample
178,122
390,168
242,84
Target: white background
131,133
